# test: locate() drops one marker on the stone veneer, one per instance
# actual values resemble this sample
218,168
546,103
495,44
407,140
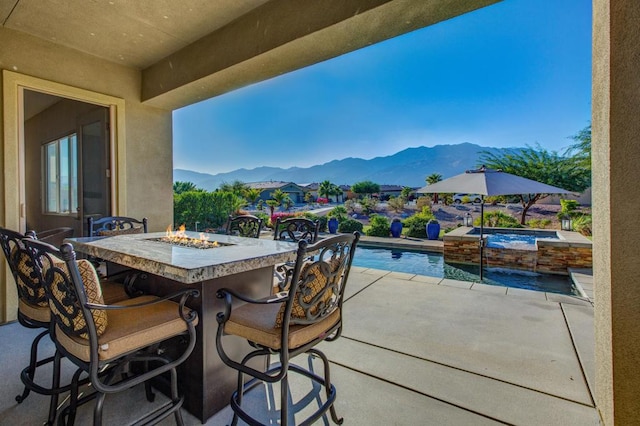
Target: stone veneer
573,250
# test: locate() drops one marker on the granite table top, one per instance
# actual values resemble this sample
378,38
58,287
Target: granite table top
187,264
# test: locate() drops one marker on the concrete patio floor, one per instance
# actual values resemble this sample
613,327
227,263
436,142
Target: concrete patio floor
415,350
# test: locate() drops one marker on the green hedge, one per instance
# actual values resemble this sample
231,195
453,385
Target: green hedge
210,209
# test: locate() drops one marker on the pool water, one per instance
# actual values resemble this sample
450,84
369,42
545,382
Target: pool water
514,241
432,264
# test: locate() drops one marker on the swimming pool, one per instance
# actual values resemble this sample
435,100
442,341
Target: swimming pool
433,264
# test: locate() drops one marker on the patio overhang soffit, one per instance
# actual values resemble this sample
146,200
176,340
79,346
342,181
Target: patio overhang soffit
192,50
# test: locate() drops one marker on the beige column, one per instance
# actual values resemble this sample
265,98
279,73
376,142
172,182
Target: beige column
616,196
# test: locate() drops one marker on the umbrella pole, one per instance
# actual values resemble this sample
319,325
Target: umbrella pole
481,233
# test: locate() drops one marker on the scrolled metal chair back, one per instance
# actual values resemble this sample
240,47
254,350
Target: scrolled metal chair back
318,284
115,225
245,226
296,229
65,298
29,287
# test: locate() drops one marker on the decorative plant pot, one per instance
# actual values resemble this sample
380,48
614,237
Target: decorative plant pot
333,225
396,229
433,231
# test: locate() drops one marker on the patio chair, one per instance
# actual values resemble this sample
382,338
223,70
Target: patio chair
293,229
289,324
117,346
110,226
115,225
245,225
296,229
33,308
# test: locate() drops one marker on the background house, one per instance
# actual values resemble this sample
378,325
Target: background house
295,192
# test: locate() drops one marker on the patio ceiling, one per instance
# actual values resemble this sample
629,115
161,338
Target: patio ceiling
191,50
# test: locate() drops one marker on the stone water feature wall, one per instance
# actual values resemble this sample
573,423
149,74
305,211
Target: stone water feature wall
572,250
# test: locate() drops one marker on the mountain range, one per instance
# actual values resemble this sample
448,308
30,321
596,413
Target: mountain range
408,167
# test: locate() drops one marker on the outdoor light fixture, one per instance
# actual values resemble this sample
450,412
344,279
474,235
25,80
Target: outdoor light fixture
566,223
468,220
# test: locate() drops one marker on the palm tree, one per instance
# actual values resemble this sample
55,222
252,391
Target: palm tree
272,206
325,189
278,196
180,187
431,179
252,195
335,190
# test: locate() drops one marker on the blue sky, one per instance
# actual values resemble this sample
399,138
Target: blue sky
512,74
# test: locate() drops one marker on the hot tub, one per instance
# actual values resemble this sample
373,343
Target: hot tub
538,250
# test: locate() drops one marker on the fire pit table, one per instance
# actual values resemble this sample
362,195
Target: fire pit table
243,264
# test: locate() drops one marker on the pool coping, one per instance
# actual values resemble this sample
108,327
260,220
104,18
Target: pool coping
434,246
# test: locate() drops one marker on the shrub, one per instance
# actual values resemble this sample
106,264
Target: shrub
368,205
397,204
539,223
339,212
350,205
423,202
281,215
498,219
380,226
350,225
534,223
492,199
582,224
321,219
416,225
568,208
264,216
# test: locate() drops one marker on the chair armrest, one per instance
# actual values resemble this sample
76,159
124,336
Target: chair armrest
228,295
183,294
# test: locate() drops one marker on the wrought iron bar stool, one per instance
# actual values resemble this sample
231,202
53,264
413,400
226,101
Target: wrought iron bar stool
245,225
115,225
293,229
289,324
108,342
33,309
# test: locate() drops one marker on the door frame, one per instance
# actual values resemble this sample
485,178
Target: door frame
14,85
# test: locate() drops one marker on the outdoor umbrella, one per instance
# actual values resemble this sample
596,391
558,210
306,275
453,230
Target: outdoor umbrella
488,182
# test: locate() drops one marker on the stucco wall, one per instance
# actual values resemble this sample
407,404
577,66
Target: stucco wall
147,189
616,233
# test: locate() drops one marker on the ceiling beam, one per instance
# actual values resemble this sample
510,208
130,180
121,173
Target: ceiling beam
282,36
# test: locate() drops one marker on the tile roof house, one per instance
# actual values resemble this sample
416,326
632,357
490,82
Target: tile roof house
295,192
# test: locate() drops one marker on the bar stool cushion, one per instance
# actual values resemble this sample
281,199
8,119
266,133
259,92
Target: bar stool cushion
129,329
34,312
256,323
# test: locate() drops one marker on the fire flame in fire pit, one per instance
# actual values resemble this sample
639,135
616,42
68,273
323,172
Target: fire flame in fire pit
180,238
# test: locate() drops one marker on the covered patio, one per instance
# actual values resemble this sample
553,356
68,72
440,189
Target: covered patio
139,62
415,350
